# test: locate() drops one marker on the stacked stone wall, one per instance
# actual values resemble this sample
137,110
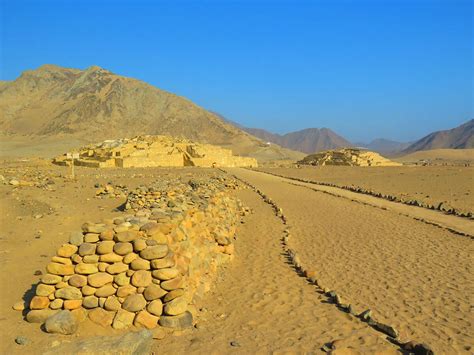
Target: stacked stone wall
149,268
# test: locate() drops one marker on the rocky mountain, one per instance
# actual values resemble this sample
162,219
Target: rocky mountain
384,146
96,104
308,140
461,137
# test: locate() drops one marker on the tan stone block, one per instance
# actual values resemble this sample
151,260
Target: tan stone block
101,317
72,304
60,269
39,302
146,320
67,250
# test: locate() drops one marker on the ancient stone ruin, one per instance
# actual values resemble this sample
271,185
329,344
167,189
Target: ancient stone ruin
347,157
146,269
155,151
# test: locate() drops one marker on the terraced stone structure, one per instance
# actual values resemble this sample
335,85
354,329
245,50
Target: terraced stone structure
148,268
347,157
155,151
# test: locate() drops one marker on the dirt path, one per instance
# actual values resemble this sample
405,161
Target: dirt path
456,224
414,276
260,304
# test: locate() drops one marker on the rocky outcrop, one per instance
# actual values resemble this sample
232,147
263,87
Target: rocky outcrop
155,151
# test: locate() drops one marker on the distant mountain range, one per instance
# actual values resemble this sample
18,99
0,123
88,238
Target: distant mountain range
96,104
461,137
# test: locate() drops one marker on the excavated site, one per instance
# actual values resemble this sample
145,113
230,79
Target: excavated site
191,259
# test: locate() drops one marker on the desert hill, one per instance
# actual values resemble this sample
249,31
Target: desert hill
461,137
309,140
96,104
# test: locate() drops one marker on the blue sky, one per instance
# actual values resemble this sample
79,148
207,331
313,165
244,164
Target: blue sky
366,69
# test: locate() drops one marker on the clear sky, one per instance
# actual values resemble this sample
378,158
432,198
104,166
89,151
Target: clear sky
366,69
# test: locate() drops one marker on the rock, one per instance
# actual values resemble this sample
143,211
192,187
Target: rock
67,250
72,304
140,264
235,343
93,228
80,314
155,307
417,349
76,238
19,306
134,303
112,304
111,258
20,340
163,263
117,268
69,293
176,306
137,343
172,284
126,236
39,302
139,245
87,249
166,273
386,329
99,279
91,259
182,321
86,269
56,304
126,290
105,291
77,281
90,302
154,252
127,259
122,279
61,260
107,235
44,290
105,247
123,319
60,269
39,316
91,238
146,320
366,315
173,294
88,290
50,279
152,292
141,278
101,317
123,248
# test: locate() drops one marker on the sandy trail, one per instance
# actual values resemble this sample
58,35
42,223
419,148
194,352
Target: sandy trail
451,222
262,304
414,276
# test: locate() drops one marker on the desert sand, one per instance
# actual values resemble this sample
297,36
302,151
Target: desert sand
415,277
430,185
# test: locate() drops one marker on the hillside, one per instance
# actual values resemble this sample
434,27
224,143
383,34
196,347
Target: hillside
54,103
461,137
309,140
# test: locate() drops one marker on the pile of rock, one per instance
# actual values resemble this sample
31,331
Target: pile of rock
111,190
347,157
145,269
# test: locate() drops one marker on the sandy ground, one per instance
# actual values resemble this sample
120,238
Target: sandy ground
430,184
414,276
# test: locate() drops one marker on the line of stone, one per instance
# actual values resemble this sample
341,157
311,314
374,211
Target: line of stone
392,198
366,316
449,229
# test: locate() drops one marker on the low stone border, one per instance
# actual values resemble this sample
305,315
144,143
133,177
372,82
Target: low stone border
439,207
333,297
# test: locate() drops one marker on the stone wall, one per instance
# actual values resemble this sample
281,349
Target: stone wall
149,268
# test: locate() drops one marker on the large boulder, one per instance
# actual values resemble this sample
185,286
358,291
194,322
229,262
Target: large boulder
61,323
